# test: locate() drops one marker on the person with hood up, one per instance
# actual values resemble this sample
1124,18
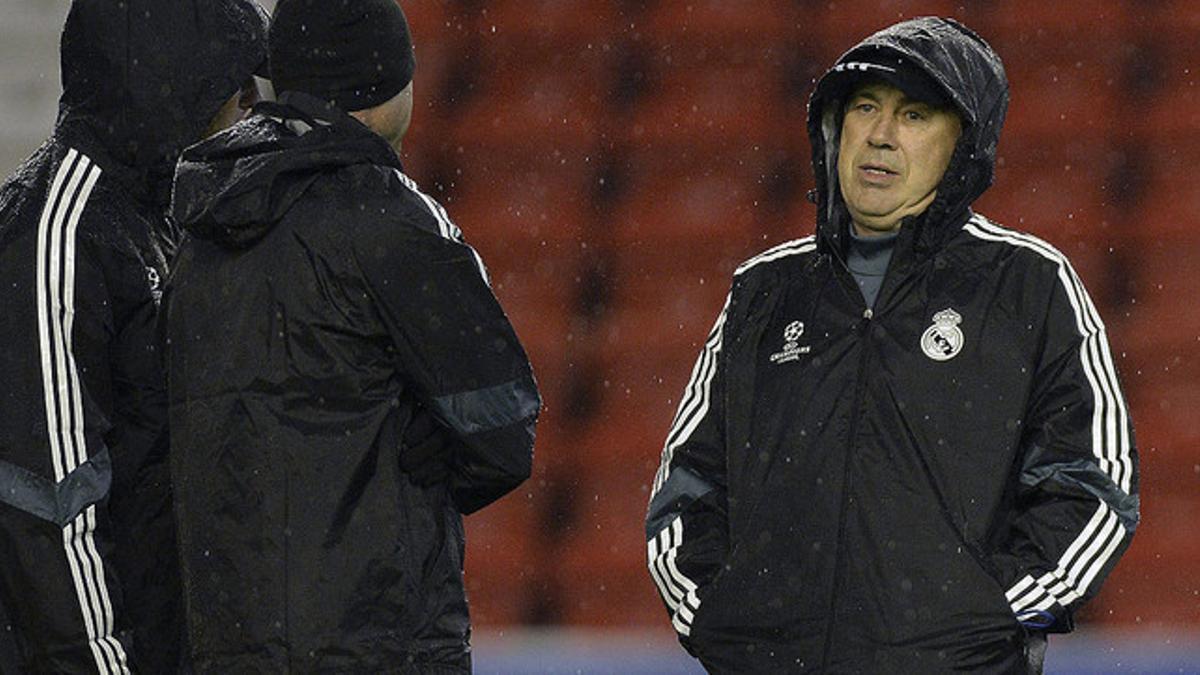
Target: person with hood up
904,447
89,569
344,385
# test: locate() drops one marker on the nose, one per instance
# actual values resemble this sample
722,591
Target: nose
883,132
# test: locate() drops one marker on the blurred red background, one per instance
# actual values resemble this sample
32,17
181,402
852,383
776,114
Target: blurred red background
613,160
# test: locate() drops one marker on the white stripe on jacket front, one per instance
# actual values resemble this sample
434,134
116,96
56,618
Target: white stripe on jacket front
63,396
1092,548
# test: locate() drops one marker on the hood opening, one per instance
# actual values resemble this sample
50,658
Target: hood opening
973,78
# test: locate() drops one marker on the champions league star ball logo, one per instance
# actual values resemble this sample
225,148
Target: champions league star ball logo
791,344
792,334
943,340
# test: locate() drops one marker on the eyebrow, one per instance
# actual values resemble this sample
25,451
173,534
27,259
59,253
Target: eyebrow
866,92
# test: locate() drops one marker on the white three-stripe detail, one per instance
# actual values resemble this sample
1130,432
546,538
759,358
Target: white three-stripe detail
676,588
695,403
69,193
446,227
697,394
1110,419
781,251
1093,547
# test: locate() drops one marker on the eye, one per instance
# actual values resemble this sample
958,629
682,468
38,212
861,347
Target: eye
914,115
864,106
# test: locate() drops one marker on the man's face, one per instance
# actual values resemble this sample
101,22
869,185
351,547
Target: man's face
234,109
892,154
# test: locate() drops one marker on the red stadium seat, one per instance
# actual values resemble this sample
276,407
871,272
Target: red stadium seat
1171,206
502,559
558,107
601,563
1173,111
560,21
1063,67
1163,329
694,198
1064,102
539,305
537,88
1154,586
426,16
664,309
1103,20
523,202
731,23
723,107
846,22
1055,190
1167,430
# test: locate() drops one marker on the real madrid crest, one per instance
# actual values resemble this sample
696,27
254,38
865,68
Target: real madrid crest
944,339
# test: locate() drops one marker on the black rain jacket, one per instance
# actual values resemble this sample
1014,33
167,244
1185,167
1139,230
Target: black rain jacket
909,489
323,308
88,566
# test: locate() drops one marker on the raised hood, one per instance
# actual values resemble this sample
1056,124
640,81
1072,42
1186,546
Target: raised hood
142,79
973,78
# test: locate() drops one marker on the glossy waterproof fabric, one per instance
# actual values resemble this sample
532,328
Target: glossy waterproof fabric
925,486
88,562
321,305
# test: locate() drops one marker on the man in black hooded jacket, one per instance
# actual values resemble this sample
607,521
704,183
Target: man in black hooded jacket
88,561
343,383
904,448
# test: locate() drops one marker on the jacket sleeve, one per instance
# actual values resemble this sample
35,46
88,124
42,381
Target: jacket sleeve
459,353
686,524
142,503
1076,504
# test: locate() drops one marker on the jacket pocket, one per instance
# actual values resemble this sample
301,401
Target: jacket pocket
994,587
709,593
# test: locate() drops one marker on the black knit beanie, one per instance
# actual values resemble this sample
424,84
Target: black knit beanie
353,53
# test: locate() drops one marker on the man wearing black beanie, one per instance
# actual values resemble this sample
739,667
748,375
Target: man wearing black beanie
344,385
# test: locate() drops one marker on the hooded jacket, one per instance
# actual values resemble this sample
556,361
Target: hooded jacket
88,566
321,310
915,487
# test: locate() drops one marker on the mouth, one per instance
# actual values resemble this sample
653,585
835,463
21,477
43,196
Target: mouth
877,170
878,175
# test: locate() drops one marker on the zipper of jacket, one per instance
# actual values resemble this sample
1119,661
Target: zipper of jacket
863,329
